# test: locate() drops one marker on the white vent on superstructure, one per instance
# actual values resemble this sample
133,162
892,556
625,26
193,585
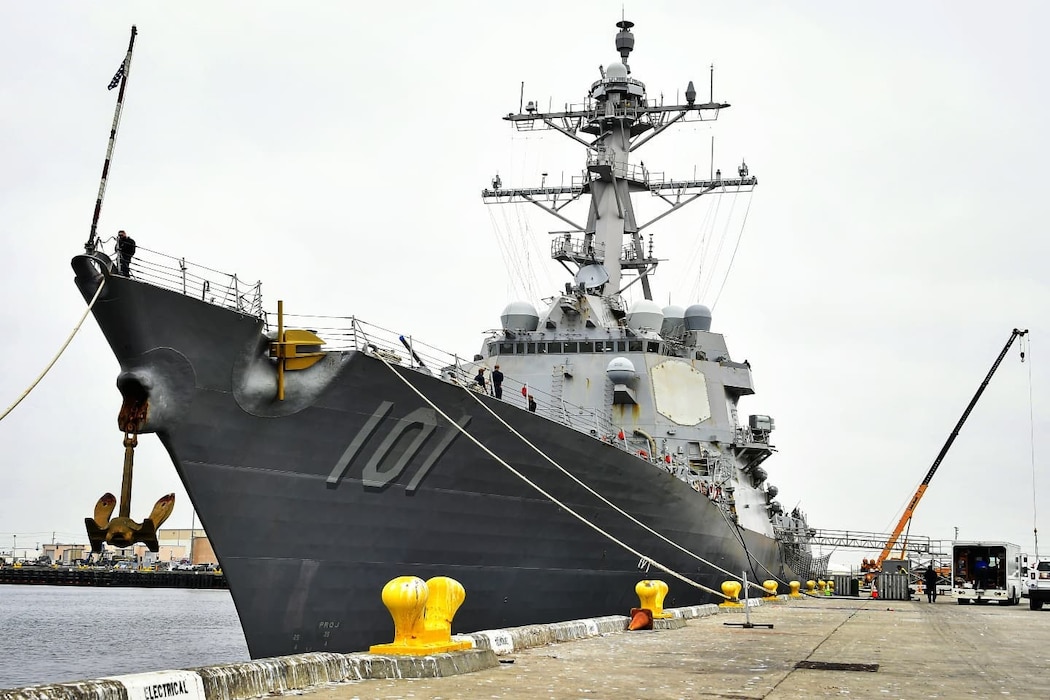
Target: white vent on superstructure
645,315
698,318
520,316
674,321
621,371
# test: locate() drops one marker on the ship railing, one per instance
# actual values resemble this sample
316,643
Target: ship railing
723,470
746,436
179,275
623,170
577,248
349,333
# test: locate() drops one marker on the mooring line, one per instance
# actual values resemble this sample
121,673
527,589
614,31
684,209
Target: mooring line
541,490
61,350
735,577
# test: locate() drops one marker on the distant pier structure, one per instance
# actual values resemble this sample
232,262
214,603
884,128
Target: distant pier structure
116,578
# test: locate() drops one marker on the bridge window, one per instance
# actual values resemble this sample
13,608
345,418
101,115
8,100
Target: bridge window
572,347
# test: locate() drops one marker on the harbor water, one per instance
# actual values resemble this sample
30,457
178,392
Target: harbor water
52,634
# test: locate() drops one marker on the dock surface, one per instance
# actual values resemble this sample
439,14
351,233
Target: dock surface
922,650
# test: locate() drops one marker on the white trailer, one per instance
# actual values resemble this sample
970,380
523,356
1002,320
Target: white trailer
983,571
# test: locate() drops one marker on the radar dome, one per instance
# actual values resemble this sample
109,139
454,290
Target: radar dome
759,475
620,371
616,71
520,316
772,491
776,507
645,314
698,318
674,320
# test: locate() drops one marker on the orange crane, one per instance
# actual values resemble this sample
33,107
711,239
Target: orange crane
910,510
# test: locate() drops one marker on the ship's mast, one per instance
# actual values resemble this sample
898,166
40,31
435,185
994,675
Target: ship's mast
612,123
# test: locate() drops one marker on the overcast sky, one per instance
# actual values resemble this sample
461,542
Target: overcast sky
337,150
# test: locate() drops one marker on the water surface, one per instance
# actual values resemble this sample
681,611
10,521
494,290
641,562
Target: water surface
52,634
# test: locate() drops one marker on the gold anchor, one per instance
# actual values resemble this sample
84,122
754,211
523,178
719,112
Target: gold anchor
122,531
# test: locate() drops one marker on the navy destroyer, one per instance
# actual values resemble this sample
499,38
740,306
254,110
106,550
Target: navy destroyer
328,456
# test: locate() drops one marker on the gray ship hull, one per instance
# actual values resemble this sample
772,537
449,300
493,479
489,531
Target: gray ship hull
314,503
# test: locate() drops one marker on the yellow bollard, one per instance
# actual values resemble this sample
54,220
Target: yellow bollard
821,584
445,597
646,592
811,586
661,592
731,589
795,585
651,594
771,589
408,598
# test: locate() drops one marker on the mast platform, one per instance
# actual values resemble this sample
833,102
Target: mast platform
653,182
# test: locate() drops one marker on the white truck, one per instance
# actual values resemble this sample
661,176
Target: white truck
1038,584
983,571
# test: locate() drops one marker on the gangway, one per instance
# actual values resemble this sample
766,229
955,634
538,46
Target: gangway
856,539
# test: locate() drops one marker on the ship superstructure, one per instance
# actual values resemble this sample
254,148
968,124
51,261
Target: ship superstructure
658,375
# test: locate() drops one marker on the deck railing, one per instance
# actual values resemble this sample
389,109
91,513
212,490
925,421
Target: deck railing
344,333
179,275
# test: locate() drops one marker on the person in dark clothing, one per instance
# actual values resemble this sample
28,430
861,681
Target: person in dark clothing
980,569
480,378
497,382
532,404
929,579
125,252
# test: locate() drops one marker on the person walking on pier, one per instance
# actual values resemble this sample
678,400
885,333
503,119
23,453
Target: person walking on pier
929,579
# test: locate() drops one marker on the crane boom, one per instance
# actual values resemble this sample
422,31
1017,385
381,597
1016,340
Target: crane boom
910,510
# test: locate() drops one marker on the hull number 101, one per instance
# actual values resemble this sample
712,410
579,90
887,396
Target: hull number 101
381,469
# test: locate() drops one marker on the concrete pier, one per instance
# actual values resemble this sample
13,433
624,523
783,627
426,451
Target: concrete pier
817,647
920,650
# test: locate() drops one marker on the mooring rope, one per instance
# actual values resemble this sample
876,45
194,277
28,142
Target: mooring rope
602,498
751,558
541,490
60,351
